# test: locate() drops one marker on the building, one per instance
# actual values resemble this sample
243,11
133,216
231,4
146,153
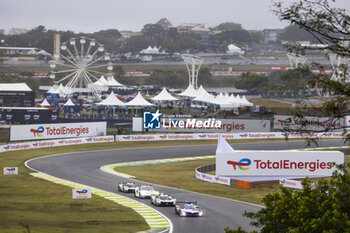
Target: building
192,27
127,34
16,95
14,55
272,35
17,31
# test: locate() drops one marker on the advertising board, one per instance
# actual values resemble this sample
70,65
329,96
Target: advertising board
212,125
295,184
212,178
51,131
309,123
10,170
278,163
81,193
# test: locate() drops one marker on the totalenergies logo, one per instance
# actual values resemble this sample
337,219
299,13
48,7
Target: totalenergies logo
244,135
241,164
7,147
38,132
202,136
88,139
126,137
35,144
286,121
82,192
163,137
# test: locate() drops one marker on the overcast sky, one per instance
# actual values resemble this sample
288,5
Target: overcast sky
95,15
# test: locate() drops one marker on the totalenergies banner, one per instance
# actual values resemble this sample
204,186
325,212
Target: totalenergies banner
212,179
208,136
307,123
50,131
278,163
52,143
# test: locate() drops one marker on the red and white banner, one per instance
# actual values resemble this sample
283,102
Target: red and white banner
50,131
52,143
208,136
278,163
10,170
308,123
295,184
212,179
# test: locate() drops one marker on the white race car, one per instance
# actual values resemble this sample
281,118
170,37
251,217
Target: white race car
126,187
163,199
145,191
186,209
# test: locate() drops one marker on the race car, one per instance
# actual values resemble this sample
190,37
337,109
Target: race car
163,199
126,187
185,209
145,191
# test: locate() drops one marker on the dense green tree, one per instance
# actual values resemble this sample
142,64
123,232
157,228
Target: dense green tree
228,26
256,36
235,36
251,82
295,33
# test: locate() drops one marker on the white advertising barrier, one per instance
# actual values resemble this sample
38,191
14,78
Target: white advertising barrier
295,184
51,131
81,193
212,178
281,122
52,143
208,125
208,136
10,170
278,163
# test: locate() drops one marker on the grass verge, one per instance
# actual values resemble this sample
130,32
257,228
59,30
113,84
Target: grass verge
181,175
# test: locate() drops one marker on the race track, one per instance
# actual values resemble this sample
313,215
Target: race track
84,168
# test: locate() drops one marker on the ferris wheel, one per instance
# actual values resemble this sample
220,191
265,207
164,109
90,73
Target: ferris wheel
80,61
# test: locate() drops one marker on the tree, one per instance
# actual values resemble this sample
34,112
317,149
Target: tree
328,25
295,33
325,208
229,26
251,82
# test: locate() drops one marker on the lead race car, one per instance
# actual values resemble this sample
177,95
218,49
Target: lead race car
145,191
163,199
188,208
127,187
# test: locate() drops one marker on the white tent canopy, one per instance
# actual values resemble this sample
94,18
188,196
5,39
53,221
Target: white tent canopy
139,101
111,82
69,103
45,103
111,100
189,92
164,96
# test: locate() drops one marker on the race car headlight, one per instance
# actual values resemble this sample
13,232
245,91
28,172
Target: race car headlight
200,213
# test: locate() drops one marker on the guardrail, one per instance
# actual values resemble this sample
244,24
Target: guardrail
160,137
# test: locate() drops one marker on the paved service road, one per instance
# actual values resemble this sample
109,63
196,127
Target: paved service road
84,168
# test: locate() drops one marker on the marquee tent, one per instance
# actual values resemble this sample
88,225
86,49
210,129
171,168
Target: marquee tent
189,92
111,100
139,101
164,96
69,103
45,103
111,82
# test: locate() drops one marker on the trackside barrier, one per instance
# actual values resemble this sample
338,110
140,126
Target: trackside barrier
199,173
211,136
159,137
53,143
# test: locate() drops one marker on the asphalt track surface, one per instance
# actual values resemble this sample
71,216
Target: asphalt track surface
219,213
